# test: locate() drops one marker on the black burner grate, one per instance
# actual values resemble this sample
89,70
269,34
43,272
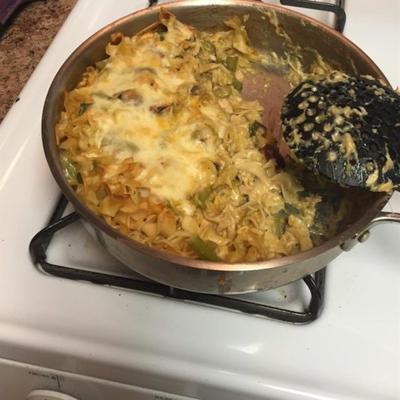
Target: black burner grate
41,241
337,8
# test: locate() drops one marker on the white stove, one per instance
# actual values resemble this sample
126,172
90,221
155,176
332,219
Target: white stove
101,342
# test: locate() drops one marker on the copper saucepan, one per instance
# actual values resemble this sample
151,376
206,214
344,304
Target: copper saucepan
200,275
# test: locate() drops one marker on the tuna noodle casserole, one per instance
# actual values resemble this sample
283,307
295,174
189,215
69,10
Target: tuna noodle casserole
157,140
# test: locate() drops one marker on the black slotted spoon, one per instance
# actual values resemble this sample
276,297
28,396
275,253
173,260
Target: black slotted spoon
347,129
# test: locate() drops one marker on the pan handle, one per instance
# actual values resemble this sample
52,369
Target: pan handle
383,217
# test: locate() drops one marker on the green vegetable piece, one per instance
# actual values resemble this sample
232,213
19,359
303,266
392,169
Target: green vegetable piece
203,196
204,249
162,36
69,168
292,209
317,238
255,126
79,178
208,46
237,84
95,165
222,91
82,108
132,146
101,192
324,223
281,221
231,63
171,207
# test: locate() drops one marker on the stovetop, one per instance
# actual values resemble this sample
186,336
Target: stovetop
351,352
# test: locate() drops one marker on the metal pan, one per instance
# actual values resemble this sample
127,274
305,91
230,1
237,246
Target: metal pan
200,275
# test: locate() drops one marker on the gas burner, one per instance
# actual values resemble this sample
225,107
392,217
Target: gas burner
39,245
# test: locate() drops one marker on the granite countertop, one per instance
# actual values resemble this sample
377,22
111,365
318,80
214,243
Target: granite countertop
23,43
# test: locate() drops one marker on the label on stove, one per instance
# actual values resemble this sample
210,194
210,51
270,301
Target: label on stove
168,396
147,394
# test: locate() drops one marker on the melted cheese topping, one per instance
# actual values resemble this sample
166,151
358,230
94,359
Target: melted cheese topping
176,164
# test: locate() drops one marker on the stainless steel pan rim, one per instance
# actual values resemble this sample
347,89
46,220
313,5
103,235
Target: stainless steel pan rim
349,235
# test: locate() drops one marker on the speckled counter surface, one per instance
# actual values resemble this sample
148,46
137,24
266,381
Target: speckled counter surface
23,43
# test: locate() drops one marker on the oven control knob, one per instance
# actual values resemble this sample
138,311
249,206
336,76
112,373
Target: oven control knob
48,395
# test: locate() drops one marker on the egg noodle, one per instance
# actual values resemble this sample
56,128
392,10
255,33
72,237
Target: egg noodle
157,140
